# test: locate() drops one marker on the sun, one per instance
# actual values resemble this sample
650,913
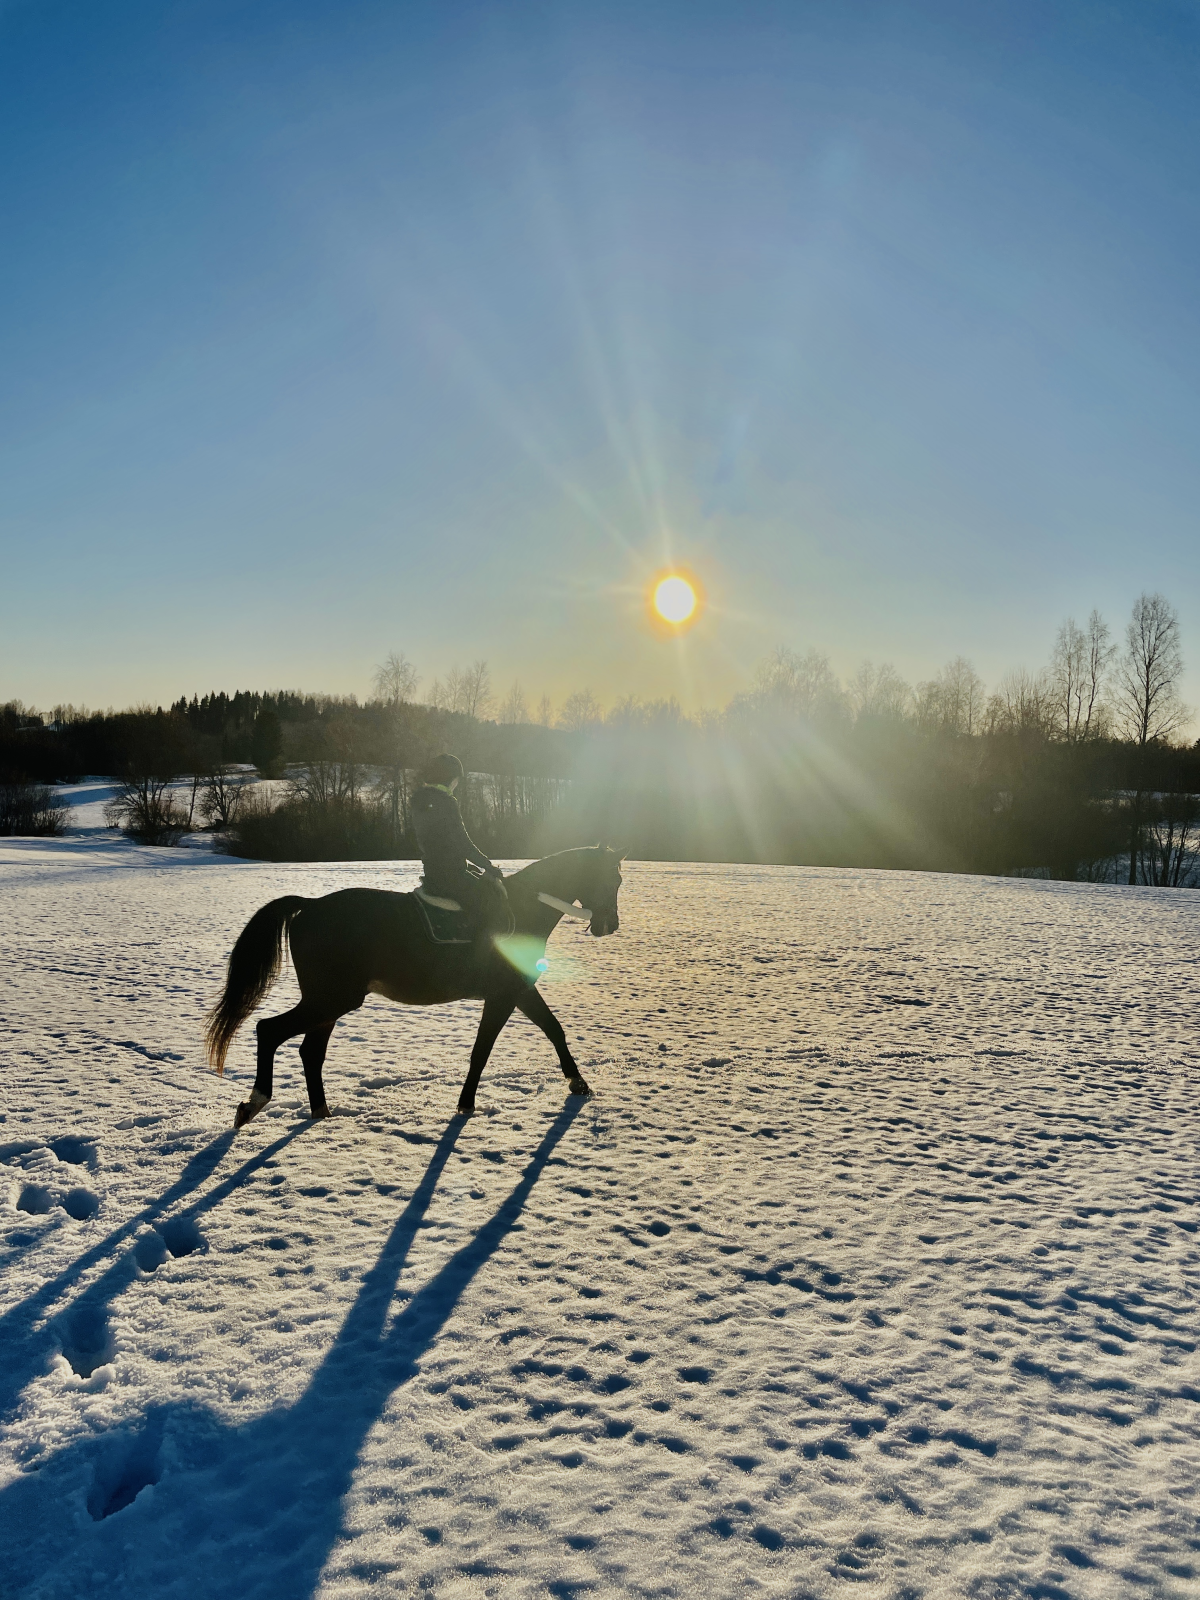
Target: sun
675,599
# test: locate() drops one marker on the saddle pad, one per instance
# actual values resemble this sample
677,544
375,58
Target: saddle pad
443,925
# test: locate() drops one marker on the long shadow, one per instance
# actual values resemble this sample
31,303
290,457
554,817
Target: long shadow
81,1327
270,1491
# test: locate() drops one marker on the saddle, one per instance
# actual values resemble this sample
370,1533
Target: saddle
445,920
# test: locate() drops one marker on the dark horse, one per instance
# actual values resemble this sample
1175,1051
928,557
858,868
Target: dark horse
361,941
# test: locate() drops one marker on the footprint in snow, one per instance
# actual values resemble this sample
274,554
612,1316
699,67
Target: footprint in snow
86,1339
37,1200
177,1236
75,1151
126,1467
81,1204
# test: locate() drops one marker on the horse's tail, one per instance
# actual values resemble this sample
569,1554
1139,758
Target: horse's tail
254,964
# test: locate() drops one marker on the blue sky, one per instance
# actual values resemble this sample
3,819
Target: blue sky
328,330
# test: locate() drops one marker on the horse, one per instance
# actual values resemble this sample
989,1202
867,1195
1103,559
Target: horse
356,942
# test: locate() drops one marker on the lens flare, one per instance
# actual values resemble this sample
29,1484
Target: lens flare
675,599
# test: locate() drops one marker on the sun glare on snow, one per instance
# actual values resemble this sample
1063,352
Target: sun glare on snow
675,600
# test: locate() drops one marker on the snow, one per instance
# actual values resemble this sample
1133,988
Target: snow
871,1268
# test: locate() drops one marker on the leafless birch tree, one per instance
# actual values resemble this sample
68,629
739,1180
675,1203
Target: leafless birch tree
1148,705
396,680
1078,673
515,709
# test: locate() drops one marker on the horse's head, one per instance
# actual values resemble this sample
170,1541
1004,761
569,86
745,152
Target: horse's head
603,890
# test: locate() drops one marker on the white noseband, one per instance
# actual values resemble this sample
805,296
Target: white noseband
581,914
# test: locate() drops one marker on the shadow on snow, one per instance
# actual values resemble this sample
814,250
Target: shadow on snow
241,1510
26,1346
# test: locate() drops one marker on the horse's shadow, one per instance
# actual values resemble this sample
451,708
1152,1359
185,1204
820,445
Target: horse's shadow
268,1493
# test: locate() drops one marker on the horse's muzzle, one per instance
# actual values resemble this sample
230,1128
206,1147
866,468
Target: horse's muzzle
603,923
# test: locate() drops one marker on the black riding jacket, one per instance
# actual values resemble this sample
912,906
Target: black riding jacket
442,837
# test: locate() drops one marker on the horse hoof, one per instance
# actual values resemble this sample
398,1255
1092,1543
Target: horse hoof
578,1086
250,1108
320,1116
464,1111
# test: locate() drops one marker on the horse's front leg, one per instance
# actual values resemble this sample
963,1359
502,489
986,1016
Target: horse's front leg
496,1012
536,1009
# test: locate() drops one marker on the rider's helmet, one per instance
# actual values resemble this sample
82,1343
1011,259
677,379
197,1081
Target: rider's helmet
443,770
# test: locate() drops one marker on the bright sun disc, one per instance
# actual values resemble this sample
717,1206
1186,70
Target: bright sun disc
674,599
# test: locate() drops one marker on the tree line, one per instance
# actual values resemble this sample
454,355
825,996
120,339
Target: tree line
1079,770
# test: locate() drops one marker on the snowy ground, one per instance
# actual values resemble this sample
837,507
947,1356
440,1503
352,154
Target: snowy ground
871,1268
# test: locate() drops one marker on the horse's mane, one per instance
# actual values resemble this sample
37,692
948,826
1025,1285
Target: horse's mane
559,855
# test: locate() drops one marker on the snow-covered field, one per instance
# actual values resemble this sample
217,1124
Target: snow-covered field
871,1268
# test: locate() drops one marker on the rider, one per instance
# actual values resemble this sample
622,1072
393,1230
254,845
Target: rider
446,847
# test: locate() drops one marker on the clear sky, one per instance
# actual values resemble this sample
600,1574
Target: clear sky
334,329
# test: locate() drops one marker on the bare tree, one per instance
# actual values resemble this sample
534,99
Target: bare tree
224,795
330,769
628,714
1077,674
144,807
396,685
580,711
880,692
155,753
475,690
396,680
1024,703
199,753
798,685
515,709
544,716
1149,709
1100,651
468,691
953,701
1171,841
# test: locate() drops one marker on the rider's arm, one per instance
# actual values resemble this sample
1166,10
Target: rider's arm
468,846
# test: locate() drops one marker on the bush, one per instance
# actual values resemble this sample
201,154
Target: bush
308,830
226,791
30,808
145,809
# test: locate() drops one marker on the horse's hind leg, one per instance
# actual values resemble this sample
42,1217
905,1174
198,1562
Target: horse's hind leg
312,1053
271,1032
536,1009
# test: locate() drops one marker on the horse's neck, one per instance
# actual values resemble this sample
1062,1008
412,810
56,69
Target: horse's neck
559,875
